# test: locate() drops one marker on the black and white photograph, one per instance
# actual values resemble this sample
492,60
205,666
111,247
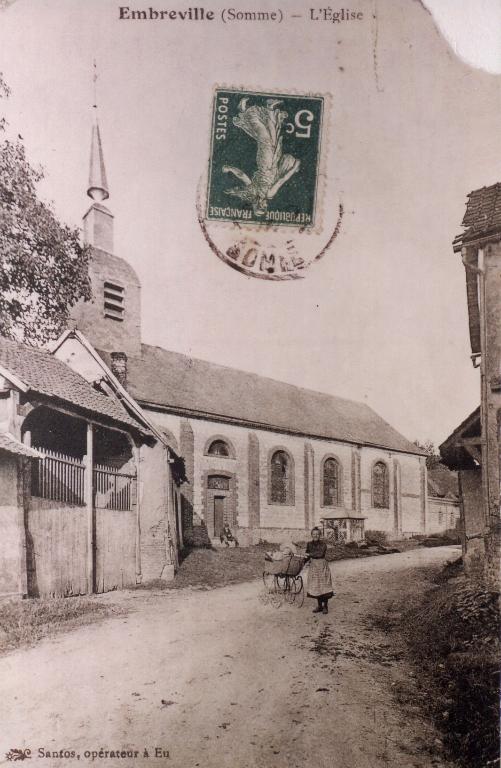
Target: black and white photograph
250,384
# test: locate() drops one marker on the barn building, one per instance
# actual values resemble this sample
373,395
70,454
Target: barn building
474,448
70,481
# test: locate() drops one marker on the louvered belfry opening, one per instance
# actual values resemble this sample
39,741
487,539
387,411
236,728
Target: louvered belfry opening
114,301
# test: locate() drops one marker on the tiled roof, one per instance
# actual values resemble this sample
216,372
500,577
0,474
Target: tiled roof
196,387
10,444
46,375
483,214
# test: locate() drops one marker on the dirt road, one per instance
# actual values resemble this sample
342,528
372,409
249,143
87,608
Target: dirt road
221,679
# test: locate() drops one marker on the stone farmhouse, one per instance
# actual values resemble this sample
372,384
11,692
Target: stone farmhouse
473,449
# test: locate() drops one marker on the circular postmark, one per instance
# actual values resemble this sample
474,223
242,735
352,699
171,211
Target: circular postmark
270,254
261,206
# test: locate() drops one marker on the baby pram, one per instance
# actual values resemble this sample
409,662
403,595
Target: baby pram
283,578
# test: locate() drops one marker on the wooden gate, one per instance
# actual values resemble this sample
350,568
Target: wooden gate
115,528
56,527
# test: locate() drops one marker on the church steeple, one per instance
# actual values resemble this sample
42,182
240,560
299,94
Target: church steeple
98,221
98,183
111,320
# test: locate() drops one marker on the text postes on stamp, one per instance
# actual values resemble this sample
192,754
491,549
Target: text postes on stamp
264,158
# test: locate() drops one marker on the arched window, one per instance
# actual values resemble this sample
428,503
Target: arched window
281,478
331,483
380,486
218,448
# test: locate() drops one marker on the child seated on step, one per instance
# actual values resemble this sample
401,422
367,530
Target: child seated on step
227,537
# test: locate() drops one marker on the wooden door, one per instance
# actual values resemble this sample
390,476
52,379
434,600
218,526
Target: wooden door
56,548
218,514
115,529
114,549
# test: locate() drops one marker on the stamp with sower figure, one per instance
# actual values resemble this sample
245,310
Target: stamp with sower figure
264,159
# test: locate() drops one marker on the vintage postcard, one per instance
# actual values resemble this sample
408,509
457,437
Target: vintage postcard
250,384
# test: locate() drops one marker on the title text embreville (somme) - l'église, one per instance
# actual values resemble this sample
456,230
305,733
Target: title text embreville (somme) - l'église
328,14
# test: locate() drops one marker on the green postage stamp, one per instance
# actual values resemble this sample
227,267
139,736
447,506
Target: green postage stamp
264,158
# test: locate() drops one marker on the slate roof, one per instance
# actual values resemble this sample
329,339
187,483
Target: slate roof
442,483
196,387
12,445
46,375
482,216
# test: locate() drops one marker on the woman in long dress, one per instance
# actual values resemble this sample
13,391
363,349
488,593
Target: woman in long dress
319,583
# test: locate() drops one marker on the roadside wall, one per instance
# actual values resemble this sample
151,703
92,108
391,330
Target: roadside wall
473,520
12,539
157,515
443,515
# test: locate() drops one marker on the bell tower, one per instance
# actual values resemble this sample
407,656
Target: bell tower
111,320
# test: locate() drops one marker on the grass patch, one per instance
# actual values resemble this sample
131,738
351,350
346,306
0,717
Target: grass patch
25,622
441,539
376,537
219,567
349,551
215,567
452,638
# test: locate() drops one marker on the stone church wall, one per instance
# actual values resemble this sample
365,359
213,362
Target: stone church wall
414,495
324,449
233,466
250,509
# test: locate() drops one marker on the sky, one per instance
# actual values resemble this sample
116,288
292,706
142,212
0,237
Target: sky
412,129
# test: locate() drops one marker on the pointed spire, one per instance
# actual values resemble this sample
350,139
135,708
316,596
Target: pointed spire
98,184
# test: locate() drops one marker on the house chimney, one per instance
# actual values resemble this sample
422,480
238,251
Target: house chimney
119,367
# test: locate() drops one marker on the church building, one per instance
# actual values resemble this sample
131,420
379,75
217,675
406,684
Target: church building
269,458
